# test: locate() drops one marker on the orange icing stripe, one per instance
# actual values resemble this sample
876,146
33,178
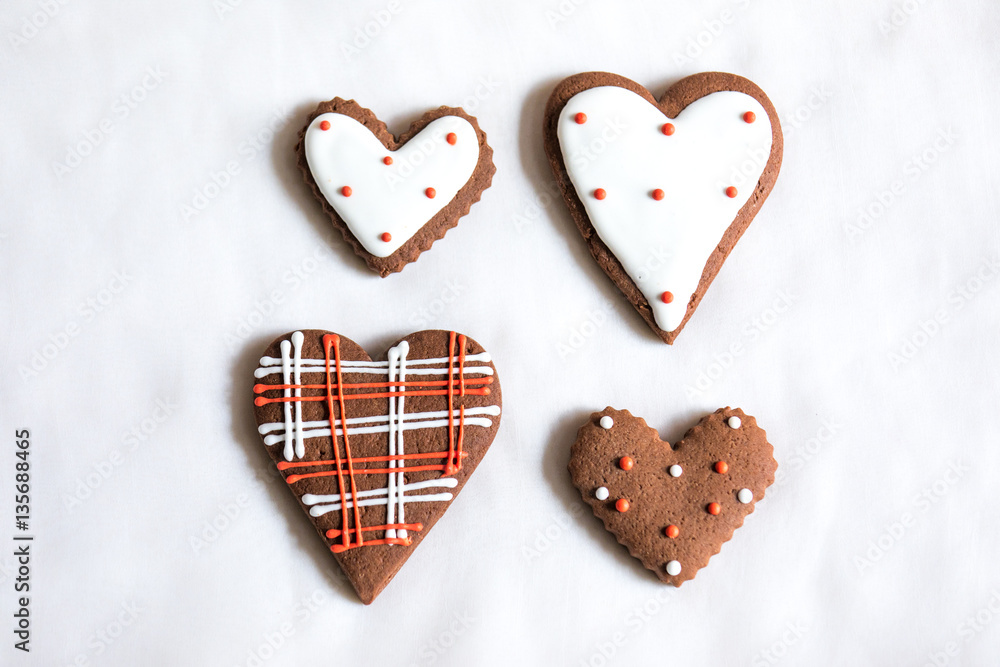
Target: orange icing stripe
405,526
285,465
291,479
347,445
340,548
333,430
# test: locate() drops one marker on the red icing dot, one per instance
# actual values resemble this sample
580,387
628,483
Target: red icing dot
749,117
731,192
346,191
580,118
667,297
386,237
621,505
714,508
599,193
626,463
672,531
658,194
324,125
431,193
387,160
452,138
668,129
721,467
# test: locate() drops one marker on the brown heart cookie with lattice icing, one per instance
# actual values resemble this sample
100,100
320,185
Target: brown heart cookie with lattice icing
375,451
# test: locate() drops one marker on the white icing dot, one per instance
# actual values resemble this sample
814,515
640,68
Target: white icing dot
734,422
674,568
607,422
744,496
675,470
602,493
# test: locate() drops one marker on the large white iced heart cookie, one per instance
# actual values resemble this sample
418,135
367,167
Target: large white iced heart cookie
662,190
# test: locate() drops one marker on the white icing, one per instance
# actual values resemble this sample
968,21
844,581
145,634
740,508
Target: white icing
300,441
663,245
321,504
269,365
397,368
734,422
389,198
674,568
286,379
602,493
675,470
415,421
744,496
607,422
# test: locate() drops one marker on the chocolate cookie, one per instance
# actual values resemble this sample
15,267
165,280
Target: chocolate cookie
417,425
672,507
393,198
662,190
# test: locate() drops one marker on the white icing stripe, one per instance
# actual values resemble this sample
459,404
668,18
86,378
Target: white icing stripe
492,410
400,415
443,483
286,375
469,370
663,244
324,431
482,356
389,198
300,441
320,510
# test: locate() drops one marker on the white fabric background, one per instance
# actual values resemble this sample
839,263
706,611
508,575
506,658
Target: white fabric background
517,571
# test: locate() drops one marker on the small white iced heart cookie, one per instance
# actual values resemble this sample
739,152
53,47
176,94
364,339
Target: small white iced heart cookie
394,198
668,187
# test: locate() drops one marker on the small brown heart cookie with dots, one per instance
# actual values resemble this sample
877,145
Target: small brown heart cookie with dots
672,507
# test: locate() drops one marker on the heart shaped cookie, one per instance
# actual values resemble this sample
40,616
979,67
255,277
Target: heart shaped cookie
375,451
662,190
672,507
393,198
